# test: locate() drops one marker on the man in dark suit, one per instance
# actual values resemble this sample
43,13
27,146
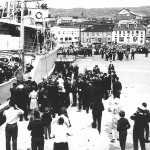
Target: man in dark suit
139,117
13,91
36,126
97,105
117,87
111,67
89,95
76,71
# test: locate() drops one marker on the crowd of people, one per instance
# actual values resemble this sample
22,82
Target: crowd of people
107,51
51,98
7,69
10,68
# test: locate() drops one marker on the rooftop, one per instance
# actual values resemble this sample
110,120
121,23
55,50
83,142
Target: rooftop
125,27
100,28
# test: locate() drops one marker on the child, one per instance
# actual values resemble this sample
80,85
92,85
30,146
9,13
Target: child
122,126
64,115
47,119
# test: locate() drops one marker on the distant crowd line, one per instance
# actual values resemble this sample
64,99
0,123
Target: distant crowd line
107,51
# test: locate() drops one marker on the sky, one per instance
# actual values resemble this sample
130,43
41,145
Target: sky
67,4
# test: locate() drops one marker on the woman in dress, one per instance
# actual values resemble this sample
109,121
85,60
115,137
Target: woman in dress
34,97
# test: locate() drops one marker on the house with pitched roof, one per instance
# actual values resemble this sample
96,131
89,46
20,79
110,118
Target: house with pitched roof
126,14
97,34
129,33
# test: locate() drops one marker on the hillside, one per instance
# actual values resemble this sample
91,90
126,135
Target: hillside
97,12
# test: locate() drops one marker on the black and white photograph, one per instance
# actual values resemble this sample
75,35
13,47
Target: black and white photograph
74,74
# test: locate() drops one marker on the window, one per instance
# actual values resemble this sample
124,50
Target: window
58,32
135,39
97,33
66,39
141,32
87,33
70,38
102,33
82,33
132,33
119,33
99,39
121,39
63,32
137,32
123,33
92,33
128,32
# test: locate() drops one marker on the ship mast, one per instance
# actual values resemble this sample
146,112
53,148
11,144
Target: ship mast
22,33
22,29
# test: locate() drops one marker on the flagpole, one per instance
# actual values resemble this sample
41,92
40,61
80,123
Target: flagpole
22,33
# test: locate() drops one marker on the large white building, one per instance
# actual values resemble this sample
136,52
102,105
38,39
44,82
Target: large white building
129,34
68,20
66,34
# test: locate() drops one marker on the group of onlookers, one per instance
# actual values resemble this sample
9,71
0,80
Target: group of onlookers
11,68
7,70
50,99
107,51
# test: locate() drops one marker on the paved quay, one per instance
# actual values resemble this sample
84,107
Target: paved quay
135,78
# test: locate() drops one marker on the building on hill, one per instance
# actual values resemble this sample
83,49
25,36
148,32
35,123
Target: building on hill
126,14
106,20
66,34
70,20
61,20
129,34
97,34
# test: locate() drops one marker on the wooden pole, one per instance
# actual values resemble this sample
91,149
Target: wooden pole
22,33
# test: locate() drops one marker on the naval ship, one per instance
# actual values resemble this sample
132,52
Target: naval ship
25,32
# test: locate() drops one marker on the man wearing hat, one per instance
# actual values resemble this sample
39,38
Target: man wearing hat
22,101
144,105
140,118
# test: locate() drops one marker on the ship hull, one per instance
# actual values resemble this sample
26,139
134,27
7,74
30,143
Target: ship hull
43,67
